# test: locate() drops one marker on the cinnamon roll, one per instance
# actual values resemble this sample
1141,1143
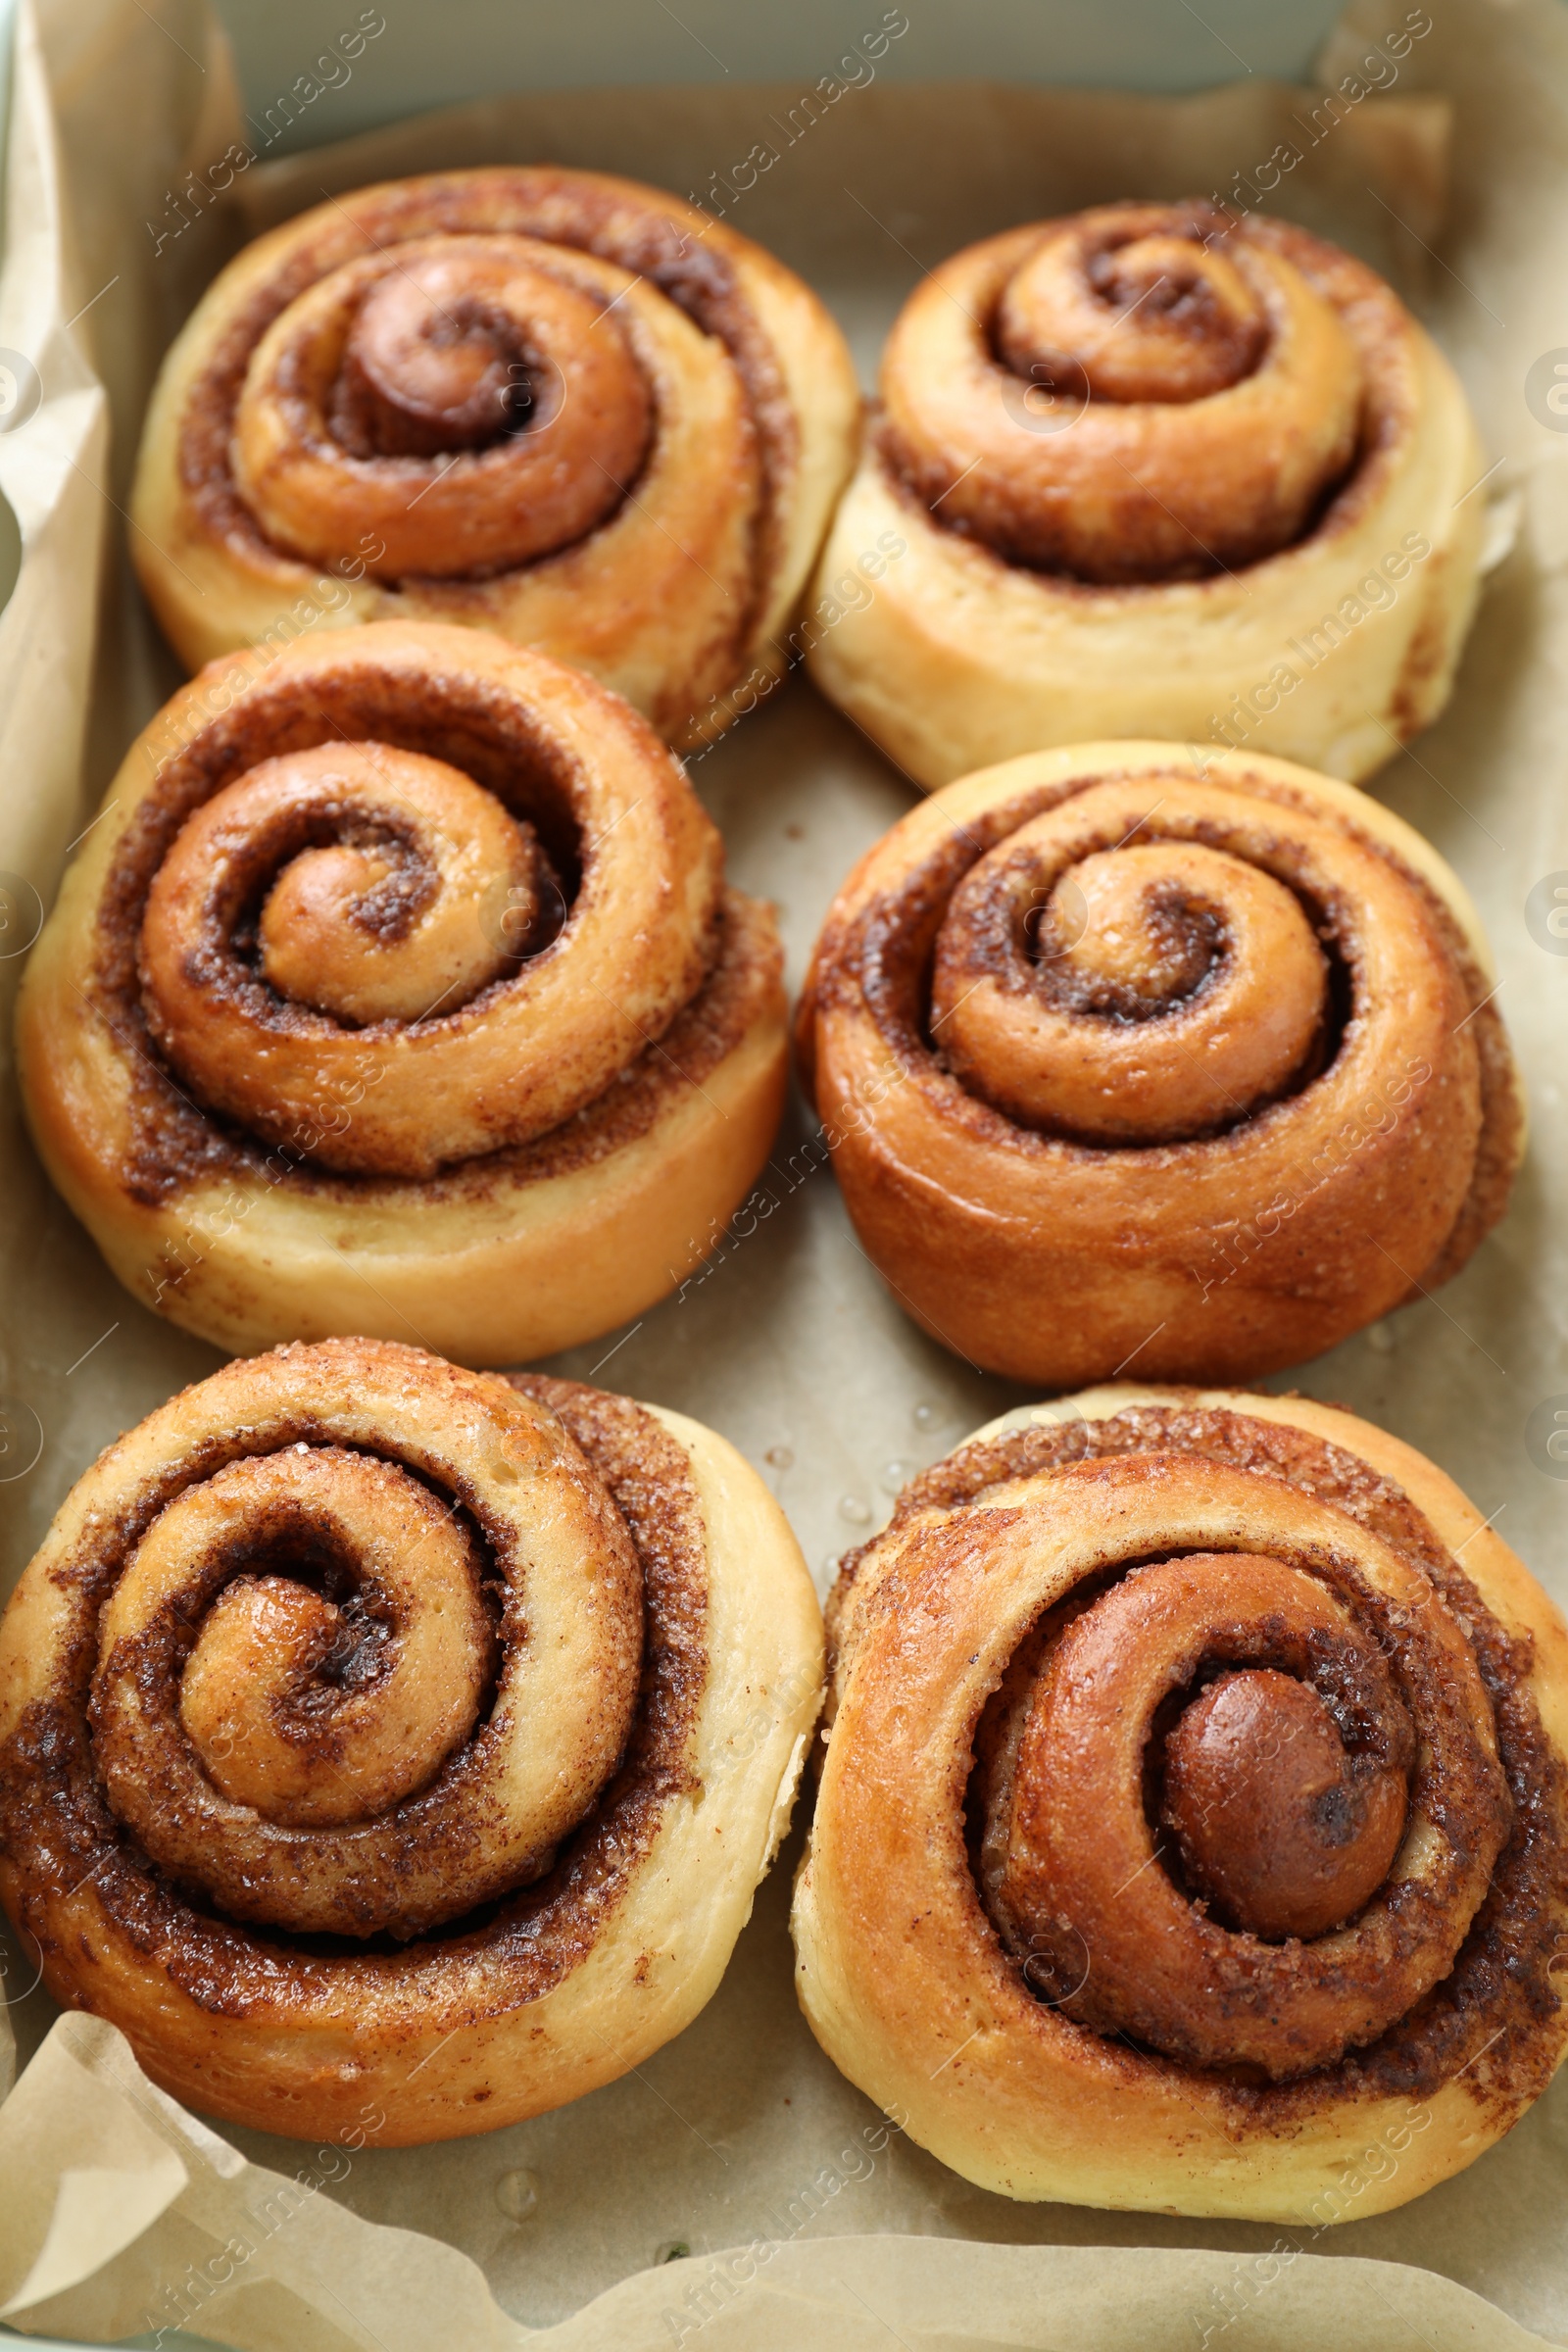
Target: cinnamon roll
553,403
1127,1053
1159,470
380,1740
1193,1835
397,990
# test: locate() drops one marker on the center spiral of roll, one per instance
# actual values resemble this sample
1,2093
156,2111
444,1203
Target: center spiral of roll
1183,321
1143,992
1287,1823
1139,393
385,881
462,402
336,1681
1284,1788
1243,1804
361,950
353,1691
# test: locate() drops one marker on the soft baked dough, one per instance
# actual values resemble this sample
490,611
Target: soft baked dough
1132,1056
516,1165
656,1676
902,1973
694,462
1331,649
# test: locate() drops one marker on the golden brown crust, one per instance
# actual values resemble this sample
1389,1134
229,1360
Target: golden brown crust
1208,392
1108,438
672,410
1053,2036
610,1548
566,1084
1127,1053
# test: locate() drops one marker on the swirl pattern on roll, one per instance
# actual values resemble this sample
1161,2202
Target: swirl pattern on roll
359,887
1228,1802
1124,1050
354,1692
1155,470
436,917
556,404
1192,399
468,409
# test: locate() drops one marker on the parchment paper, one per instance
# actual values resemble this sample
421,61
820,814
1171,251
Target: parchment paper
114,2209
